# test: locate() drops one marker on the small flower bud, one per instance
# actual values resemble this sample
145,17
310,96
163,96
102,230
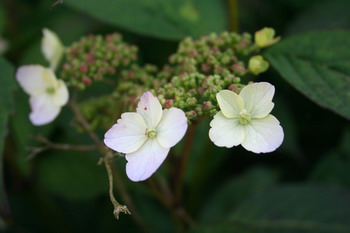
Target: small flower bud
265,37
257,65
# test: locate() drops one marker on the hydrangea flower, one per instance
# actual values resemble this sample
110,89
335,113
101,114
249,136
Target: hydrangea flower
146,136
52,48
244,119
47,94
265,37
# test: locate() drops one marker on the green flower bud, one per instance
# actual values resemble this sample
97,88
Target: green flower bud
266,37
257,65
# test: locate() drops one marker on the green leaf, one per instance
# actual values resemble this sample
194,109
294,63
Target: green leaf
331,14
334,167
297,209
288,209
6,102
234,191
171,19
318,65
72,175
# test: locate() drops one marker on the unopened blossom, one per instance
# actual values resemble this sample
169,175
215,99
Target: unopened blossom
146,136
52,48
47,94
257,65
266,37
245,119
3,45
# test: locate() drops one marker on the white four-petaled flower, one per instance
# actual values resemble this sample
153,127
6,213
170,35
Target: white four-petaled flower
52,48
47,94
244,119
146,136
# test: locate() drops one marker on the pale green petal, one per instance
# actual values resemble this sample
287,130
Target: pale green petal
128,135
257,98
35,79
52,48
263,135
61,94
230,103
226,132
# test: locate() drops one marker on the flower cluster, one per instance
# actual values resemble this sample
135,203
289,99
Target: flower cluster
47,93
93,58
203,78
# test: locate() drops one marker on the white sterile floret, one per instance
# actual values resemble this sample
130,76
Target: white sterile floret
47,94
146,136
52,48
244,119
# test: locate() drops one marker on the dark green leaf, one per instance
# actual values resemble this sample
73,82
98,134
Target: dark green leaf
72,175
334,167
6,88
331,14
318,65
294,209
234,191
171,19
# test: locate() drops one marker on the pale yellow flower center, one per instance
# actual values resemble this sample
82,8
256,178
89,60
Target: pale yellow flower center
244,117
151,133
50,90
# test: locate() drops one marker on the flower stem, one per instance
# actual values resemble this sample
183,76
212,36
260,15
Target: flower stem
107,158
233,15
186,150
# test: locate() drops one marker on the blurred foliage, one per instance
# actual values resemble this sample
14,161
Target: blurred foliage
318,66
302,187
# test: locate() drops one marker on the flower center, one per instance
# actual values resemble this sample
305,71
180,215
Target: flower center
244,117
50,90
151,133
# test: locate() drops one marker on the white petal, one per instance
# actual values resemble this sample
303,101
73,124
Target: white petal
230,103
51,47
43,110
35,79
226,132
150,109
172,127
263,135
145,161
61,95
128,135
257,99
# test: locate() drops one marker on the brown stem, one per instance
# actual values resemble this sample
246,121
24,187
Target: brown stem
110,169
186,150
233,15
48,145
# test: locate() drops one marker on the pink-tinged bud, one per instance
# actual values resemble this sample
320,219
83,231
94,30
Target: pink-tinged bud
205,67
207,105
219,69
109,37
90,58
242,44
168,103
73,51
87,81
234,88
66,66
201,90
193,53
214,49
133,100
111,70
83,69
238,68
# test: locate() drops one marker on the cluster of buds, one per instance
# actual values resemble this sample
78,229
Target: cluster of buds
94,58
196,72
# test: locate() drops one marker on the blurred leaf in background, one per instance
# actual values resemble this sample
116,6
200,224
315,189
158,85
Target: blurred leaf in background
172,19
317,65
